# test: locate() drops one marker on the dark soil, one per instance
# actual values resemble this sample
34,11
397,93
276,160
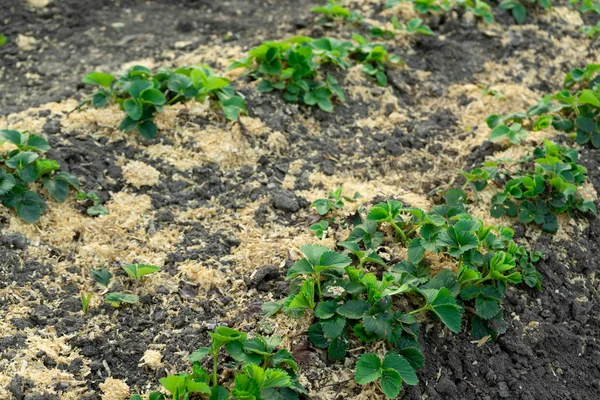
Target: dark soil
551,348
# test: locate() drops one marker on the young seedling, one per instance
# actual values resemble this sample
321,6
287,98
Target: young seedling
86,298
137,271
116,299
92,202
389,372
142,94
22,168
319,229
334,201
373,58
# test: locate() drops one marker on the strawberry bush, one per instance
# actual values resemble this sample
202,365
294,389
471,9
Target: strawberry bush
575,109
24,169
353,294
142,94
293,67
536,192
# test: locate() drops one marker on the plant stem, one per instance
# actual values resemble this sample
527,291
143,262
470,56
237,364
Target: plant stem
424,308
398,230
318,276
174,99
215,356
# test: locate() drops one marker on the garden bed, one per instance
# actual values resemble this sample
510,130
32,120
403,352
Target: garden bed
223,207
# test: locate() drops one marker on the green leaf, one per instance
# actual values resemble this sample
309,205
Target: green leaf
233,107
115,299
101,276
337,348
499,132
133,109
99,79
416,251
334,327
368,369
153,96
128,124
7,182
10,136
37,143
402,366
391,383
148,129
317,337
30,207
137,87
137,271
486,307
353,309
2,40
218,393
200,354
588,96
326,309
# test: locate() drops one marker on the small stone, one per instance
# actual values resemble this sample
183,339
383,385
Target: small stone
446,386
52,127
503,390
285,200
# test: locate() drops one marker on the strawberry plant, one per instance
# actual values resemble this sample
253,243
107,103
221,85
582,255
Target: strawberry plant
24,166
373,58
415,25
538,193
575,109
591,31
260,371
292,67
92,203
142,94
334,201
2,40
333,11
477,7
518,8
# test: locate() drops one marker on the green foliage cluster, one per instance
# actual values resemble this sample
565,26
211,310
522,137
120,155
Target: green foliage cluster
536,192
260,371
92,203
333,11
355,294
3,40
293,65
142,94
585,6
22,169
591,31
479,8
575,109
326,206
518,8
